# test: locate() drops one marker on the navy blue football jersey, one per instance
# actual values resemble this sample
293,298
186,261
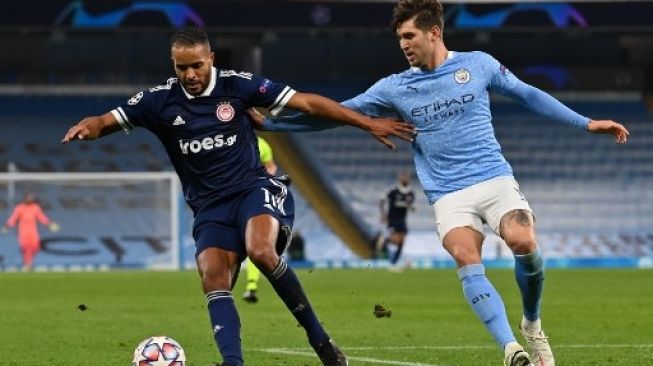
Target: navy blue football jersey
209,138
399,200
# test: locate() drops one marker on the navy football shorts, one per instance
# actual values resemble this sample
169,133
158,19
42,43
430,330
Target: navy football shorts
222,224
398,226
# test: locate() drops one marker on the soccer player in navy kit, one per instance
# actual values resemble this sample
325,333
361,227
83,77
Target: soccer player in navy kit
239,209
468,182
400,200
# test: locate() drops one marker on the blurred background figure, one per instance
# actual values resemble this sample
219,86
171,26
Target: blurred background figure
253,273
27,215
400,200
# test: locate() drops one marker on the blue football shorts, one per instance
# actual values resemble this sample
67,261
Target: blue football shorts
222,224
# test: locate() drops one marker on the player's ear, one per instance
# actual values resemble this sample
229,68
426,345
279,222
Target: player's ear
212,57
436,32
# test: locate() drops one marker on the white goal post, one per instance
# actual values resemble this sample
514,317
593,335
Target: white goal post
107,220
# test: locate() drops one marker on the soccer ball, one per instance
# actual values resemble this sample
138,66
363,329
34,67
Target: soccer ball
159,351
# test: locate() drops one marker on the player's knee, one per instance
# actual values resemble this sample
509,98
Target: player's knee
214,279
264,257
522,245
464,254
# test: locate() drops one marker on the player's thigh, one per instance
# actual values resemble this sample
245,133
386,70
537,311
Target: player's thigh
261,233
518,231
29,250
30,240
464,245
266,216
503,203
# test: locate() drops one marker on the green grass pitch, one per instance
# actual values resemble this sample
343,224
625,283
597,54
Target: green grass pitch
593,317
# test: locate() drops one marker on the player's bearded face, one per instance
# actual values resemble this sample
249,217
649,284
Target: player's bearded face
193,67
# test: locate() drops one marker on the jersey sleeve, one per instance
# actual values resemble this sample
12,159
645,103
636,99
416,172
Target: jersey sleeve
375,101
262,92
15,215
504,82
41,216
143,108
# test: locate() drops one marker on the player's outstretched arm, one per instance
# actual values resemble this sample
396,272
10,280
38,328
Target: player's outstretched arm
609,127
299,122
381,128
93,127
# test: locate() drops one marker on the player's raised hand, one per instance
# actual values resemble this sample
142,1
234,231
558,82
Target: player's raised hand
610,128
53,227
91,128
83,131
383,128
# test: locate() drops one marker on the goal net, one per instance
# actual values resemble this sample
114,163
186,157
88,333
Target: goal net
106,220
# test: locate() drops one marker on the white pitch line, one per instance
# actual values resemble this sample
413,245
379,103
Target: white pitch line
589,346
302,352
351,358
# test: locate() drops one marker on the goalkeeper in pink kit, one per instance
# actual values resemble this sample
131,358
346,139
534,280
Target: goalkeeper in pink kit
27,214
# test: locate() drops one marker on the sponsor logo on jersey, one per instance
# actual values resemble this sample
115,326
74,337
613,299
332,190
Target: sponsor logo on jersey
461,76
135,99
225,112
442,105
206,144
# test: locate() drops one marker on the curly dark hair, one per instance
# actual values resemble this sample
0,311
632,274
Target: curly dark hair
427,13
189,36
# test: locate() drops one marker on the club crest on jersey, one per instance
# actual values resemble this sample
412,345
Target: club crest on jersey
225,112
461,76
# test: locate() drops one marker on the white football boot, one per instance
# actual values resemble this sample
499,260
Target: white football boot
538,344
516,356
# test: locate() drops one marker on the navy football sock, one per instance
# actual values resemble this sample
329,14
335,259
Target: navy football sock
226,326
285,283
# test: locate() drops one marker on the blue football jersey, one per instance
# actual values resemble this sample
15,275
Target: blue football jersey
209,138
455,146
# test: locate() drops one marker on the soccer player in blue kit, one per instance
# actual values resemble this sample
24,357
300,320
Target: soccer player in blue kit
445,95
240,210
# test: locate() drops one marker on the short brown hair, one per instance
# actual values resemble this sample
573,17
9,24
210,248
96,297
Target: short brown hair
427,13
